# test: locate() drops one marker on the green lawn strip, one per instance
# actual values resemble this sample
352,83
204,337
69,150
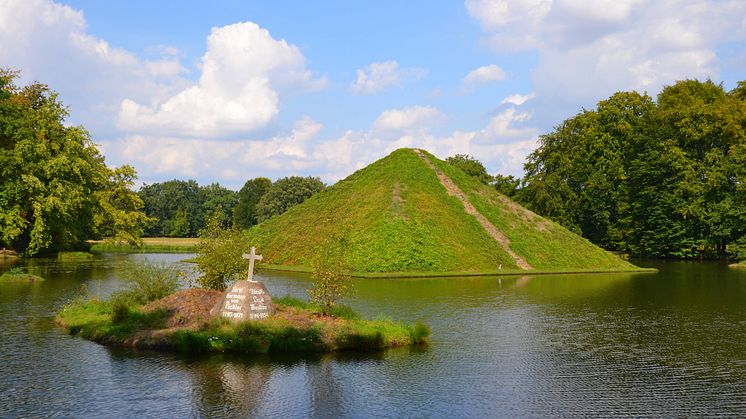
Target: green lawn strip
74,256
145,248
446,274
93,320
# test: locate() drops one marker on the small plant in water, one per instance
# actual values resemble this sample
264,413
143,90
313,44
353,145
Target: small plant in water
18,270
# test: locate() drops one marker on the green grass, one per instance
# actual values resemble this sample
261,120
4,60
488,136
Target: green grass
150,245
542,243
20,277
396,217
450,274
95,320
74,256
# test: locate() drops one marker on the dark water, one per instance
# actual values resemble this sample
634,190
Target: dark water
666,344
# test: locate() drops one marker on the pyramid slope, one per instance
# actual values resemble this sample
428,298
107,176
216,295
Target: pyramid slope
396,216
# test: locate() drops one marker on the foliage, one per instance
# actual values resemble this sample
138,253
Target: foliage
506,185
219,255
55,189
330,277
146,281
245,212
17,270
285,193
471,167
661,178
181,208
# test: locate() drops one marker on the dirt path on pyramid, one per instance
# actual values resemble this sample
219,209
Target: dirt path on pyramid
454,190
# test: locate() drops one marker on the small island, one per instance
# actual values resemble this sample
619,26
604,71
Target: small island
19,275
151,314
181,322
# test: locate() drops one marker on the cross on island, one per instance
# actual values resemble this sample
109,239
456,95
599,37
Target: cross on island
252,257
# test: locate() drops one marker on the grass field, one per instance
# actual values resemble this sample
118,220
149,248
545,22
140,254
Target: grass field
396,216
150,245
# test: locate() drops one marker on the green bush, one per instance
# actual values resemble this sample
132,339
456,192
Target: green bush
420,332
146,282
18,270
219,255
330,277
119,312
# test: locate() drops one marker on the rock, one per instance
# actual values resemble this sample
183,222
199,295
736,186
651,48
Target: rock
245,300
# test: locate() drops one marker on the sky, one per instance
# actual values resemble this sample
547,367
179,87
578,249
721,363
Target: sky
226,91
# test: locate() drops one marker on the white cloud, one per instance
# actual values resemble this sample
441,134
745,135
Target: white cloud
236,92
587,50
237,161
48,42
517,99
406,118
483,75
376,77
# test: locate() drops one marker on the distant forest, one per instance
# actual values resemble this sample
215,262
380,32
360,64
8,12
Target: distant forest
654,178
179,208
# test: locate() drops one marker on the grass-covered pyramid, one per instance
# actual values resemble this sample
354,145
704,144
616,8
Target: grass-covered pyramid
411,212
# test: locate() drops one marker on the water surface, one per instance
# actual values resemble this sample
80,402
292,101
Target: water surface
665,344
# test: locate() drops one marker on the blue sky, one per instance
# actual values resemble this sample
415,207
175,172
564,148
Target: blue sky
227,91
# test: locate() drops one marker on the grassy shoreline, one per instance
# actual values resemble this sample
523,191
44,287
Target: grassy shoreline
297,327
149,245
495,272
741,265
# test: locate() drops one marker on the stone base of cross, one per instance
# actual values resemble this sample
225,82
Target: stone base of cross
252,257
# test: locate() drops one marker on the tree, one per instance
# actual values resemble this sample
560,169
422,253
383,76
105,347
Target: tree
506,185
245,212
471,167
218,198
577,174
330,277
182,207
219,254
55,189
121,218
285,193
661,179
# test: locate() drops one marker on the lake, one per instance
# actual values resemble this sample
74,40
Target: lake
671,343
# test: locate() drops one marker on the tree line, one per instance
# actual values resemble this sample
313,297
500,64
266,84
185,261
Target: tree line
179,208
655,178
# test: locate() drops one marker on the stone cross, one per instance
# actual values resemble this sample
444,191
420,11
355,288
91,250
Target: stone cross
252,257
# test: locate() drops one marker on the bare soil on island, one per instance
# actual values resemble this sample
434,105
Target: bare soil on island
187,308
190,309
